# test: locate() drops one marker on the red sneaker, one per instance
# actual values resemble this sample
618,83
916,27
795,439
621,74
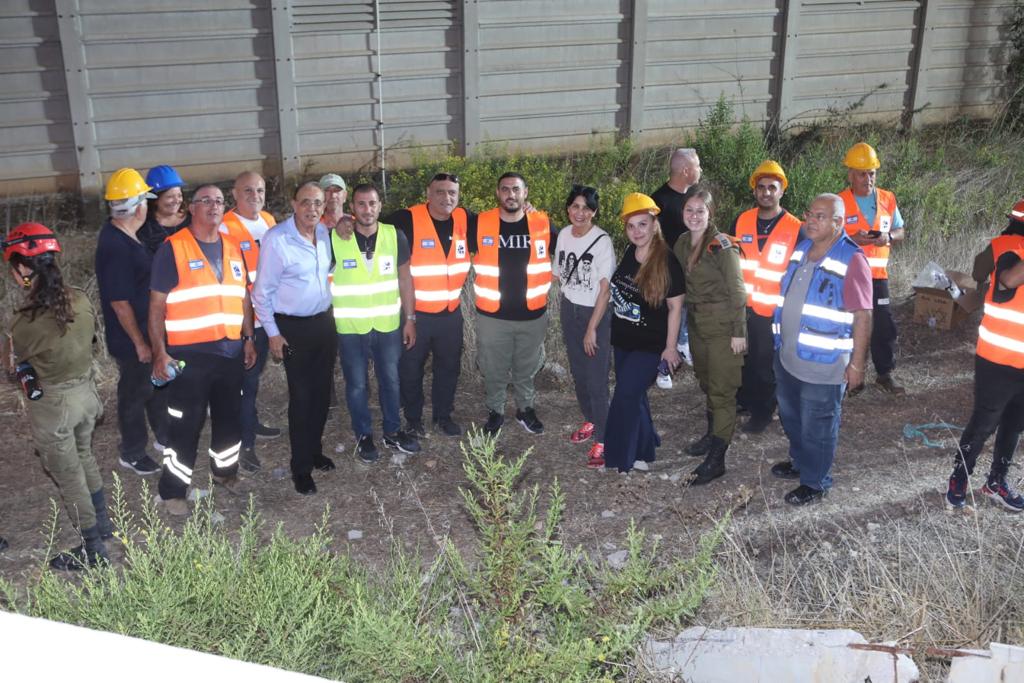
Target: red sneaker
596,456
583,434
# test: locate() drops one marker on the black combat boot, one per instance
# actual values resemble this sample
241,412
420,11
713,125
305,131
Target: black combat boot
714,464
103,523
91,553
703,444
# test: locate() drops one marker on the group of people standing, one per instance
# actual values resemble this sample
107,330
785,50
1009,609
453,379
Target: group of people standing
775,312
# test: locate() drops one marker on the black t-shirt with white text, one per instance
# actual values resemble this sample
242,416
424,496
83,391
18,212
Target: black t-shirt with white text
636,326
513,258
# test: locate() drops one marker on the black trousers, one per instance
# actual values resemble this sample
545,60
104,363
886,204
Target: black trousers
137,402
757,393
309,367
883,329
998,404
210,381
440,335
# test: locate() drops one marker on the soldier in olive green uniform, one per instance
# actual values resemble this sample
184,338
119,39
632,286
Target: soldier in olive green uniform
715,304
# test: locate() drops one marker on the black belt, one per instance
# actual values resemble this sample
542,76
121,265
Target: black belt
285,316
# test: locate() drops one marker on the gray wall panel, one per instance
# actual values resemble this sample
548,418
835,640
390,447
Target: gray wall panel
214,86
37,149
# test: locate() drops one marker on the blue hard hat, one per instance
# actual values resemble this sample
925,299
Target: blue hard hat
163,177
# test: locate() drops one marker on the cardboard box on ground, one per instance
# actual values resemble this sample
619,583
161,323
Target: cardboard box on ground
944,298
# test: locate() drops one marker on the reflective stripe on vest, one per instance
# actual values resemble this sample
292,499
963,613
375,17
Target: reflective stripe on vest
235,230
826,329
769,264
486,285
1001,333
201,308
437,279
878,257
365,300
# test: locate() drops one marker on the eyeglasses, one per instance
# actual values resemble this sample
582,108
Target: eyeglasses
451,177
315,203
209,201
821,217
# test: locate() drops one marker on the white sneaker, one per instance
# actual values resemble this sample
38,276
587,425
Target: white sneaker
642,466
684,351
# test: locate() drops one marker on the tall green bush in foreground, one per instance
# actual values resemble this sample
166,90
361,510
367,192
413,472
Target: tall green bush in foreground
526,608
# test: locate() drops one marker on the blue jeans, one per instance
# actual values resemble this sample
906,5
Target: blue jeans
355,351
251,385
810,416
629,432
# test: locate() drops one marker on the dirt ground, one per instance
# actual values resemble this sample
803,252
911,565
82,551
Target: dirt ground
879,474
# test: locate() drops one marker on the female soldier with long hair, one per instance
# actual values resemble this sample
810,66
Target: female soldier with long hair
52,335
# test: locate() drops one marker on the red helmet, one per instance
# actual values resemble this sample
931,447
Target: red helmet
30,239
1017,212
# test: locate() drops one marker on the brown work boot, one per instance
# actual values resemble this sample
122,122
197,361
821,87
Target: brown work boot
174,506
230,484
885,383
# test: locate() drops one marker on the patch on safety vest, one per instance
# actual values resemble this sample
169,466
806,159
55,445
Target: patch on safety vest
387,265
885,223
427,244
348,263
245,245
747,239
487,241
851,219
542,248
460,248
236,270
195,264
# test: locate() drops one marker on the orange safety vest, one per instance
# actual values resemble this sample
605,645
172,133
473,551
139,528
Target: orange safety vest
437,279
1001,333
485,263
236,231
878,257
201,308
763,268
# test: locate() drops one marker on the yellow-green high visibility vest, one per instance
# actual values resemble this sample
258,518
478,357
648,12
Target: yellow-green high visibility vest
366,299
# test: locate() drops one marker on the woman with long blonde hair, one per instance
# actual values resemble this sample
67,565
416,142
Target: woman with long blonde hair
647,299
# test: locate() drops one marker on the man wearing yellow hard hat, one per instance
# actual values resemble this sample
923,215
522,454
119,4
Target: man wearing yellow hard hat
766,235
123,265
874,222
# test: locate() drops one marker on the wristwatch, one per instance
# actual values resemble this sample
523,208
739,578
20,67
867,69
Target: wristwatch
248,337
411,317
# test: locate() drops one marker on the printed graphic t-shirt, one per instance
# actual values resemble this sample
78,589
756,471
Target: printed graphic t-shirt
636,326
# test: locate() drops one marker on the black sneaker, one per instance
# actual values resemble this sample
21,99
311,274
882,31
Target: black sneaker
304,484
528,418
415,430
247,461
265,432
323,463
144,465
494,423
803,494
756,424
956,491
365,449
448,427
402,441
785,470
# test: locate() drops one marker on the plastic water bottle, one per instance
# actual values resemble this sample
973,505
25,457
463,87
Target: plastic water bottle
664,377
29,382
174,369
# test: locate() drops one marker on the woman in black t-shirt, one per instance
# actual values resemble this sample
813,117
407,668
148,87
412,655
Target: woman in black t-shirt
647,299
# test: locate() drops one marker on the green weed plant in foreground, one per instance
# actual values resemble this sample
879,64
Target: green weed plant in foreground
526,608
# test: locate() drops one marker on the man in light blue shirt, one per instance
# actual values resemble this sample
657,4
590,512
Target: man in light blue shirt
292,297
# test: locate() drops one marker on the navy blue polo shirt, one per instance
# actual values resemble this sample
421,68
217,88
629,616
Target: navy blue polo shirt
122,273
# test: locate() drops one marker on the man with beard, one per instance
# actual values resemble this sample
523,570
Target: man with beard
512,262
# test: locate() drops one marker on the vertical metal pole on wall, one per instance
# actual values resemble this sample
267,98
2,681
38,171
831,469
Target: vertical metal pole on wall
787,57
923,40
69,26
470,76
638,68
287,98
379,72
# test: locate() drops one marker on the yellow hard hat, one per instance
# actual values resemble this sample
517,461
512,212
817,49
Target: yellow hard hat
769,168
861,157
125,183
636,202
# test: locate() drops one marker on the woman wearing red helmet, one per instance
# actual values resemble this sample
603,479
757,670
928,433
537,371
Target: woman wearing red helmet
53,332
